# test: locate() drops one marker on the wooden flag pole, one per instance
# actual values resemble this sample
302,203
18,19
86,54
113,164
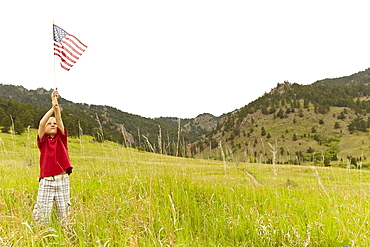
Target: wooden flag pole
55,78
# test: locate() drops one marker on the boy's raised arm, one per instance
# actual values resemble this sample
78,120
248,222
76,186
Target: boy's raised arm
54,109
57,113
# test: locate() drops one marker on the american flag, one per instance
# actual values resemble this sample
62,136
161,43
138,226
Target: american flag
67,47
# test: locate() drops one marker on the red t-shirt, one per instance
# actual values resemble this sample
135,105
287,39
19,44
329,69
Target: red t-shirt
54,157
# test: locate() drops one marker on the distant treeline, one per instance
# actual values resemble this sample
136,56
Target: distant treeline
21,108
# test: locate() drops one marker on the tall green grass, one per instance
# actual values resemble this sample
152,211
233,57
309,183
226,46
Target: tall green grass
123,197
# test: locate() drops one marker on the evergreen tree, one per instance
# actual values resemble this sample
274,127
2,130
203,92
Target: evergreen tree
263,131
295,137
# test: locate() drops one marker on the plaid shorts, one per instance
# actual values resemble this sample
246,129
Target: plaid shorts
57,190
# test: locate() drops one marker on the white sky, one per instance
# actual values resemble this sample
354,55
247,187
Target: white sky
182,58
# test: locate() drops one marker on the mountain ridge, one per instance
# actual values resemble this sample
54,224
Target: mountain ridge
101,121
292,124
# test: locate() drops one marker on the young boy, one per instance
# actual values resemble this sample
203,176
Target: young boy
55,166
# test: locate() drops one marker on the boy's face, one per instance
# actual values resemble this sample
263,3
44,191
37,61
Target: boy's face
51,127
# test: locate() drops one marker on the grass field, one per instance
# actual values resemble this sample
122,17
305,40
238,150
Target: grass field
123,197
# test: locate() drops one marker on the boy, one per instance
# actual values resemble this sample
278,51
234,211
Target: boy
55,166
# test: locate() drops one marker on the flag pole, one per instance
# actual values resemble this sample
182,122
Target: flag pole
55,78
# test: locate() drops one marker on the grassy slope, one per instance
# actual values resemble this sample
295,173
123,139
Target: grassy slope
282,131
123,197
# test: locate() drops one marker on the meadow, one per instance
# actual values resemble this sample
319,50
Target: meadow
125,197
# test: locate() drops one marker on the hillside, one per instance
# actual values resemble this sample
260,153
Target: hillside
325,123
21,108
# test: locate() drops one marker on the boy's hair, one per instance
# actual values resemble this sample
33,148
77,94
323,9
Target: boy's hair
49,120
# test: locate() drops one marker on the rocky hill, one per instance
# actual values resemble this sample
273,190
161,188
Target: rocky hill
325,123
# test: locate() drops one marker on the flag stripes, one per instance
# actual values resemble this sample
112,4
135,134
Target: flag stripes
67,47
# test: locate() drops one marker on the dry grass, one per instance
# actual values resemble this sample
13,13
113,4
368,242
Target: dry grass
123,197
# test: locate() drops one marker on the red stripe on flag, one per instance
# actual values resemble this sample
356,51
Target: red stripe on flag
71,47
63,60
61,51
65,48
77,45
85,46
61,65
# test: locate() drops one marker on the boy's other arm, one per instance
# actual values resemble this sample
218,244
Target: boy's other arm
43,122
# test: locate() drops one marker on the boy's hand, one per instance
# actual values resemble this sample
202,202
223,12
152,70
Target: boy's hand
55,94
54,98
